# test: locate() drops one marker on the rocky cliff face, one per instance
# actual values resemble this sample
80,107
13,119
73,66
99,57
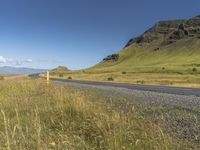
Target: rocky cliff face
169,31
113,57
165,32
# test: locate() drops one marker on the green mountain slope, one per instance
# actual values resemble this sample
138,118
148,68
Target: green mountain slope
169,46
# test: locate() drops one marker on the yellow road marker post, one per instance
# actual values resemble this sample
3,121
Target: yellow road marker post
48,76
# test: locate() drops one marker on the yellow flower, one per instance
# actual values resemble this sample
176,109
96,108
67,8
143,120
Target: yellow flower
53,143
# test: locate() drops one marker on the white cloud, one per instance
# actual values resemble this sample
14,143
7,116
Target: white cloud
21,62
28,60
2,59
18,63
5,60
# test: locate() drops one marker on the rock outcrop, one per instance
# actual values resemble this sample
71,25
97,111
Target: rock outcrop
169,31
113,57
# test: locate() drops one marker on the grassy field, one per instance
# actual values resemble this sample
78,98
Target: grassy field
172,79
37,115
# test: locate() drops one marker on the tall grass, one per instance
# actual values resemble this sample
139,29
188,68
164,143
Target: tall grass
40,116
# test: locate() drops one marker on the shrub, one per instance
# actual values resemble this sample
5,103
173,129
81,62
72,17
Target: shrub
163,68
194,70
141,81
1,77
61,75
69,78
110,79
156,49
124,72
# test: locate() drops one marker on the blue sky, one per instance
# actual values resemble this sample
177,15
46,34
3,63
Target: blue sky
77,33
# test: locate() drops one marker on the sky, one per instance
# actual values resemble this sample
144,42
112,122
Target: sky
78,33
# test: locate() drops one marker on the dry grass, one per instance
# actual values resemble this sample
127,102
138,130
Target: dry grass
37,115
171,79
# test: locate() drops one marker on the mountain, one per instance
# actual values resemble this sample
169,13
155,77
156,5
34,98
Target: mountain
15,70
169,45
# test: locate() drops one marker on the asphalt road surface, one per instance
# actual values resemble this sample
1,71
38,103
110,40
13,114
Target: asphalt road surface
153,88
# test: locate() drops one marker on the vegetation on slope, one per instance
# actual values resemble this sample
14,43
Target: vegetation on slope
181,56
37,115
60,69
173,45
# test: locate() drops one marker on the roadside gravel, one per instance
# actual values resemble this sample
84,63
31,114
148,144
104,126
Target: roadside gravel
188,102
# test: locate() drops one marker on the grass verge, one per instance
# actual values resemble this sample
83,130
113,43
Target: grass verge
37,115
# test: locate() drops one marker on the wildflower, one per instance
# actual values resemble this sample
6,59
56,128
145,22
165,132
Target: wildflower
53,143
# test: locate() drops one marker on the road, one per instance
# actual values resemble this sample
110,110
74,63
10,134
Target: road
152,88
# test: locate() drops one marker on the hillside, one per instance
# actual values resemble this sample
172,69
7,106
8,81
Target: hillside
169,46
59,70
166,54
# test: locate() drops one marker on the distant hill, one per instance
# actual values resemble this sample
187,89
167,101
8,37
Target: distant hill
15,70
60,69
169,45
